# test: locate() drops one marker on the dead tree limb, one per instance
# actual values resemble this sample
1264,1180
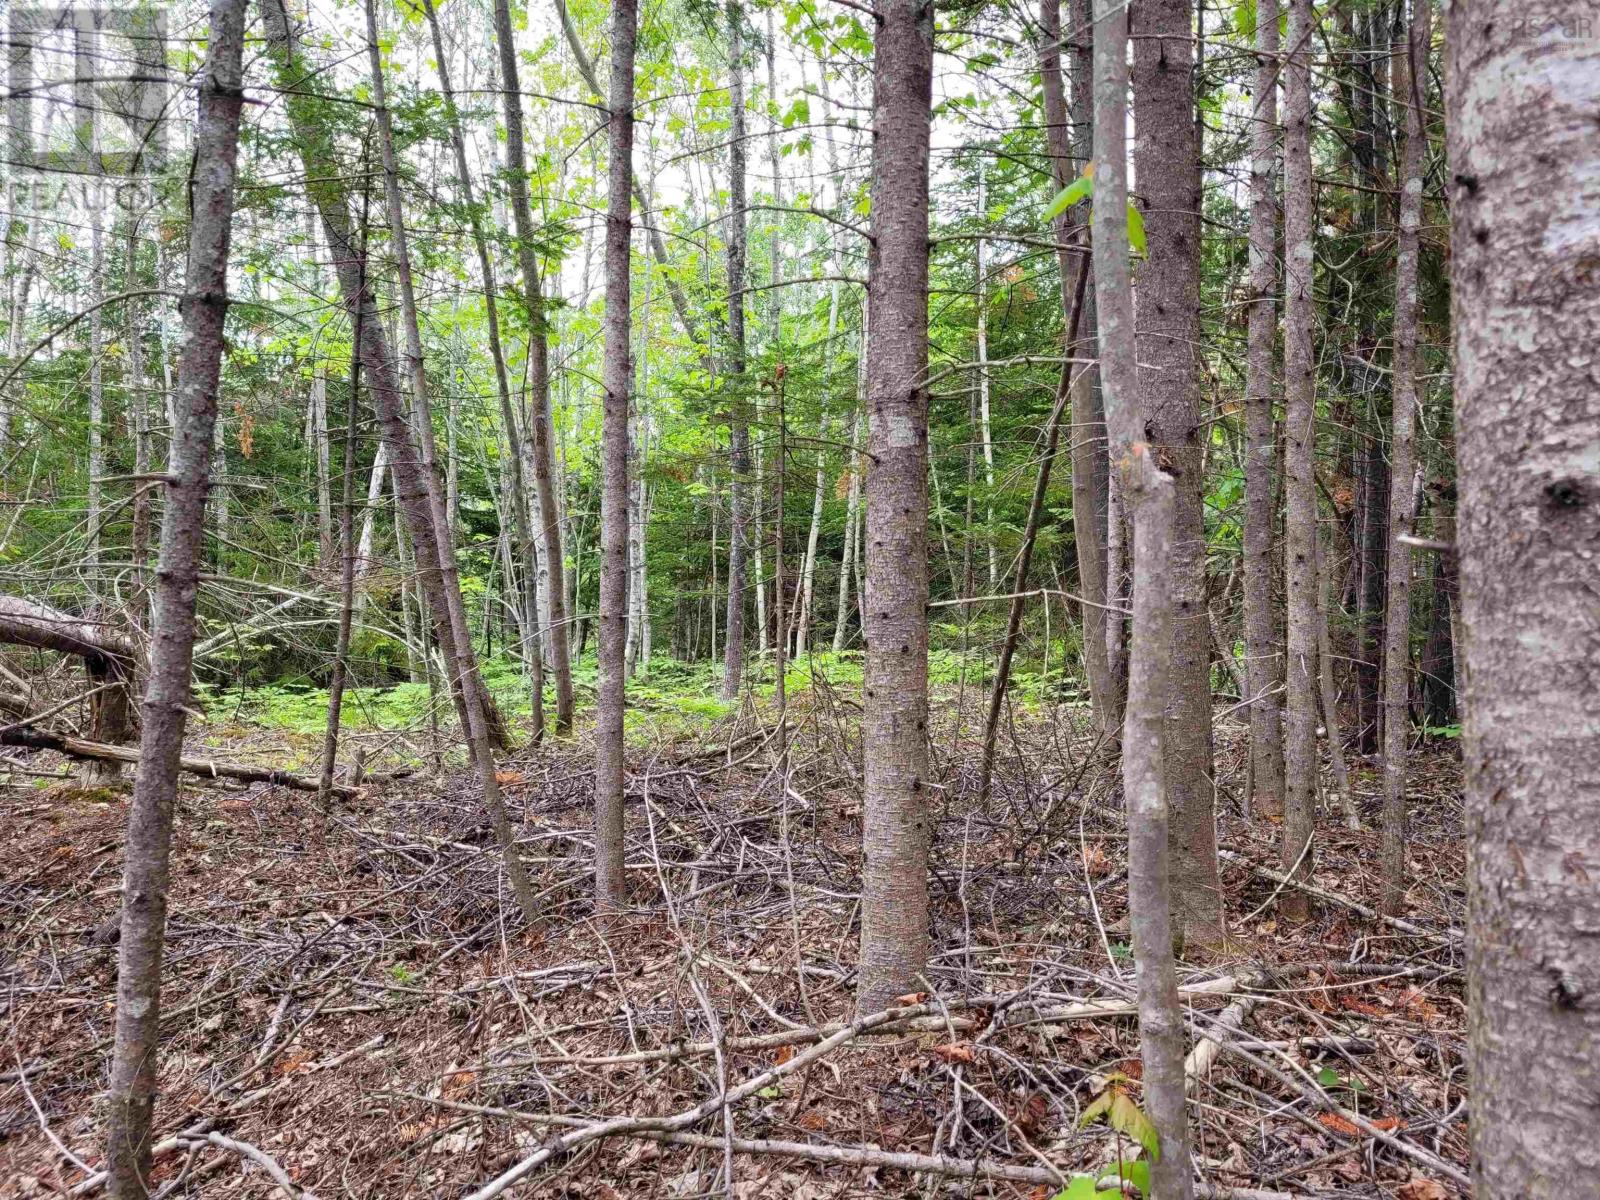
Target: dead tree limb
73,747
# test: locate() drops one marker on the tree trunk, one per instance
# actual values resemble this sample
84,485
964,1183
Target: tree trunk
1300,386
738,425
540,429
1523,87
897,824
347,577
147,848
609,892
1150,493
1263,638
92,196
1411,88
417,490
850,555
983,371
1167,162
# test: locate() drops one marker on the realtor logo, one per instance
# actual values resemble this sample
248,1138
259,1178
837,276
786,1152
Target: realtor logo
87,89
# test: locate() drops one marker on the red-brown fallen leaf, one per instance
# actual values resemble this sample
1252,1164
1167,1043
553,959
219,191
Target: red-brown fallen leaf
1338,1124
813,1120
507,778
955,1052
1034,1111
1361,1006
1388,1124
909,998
782,1055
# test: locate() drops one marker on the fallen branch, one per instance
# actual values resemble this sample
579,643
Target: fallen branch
1372,914
261,1159
848,1156
44,739
930,1018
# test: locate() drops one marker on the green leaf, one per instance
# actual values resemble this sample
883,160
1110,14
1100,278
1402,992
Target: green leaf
1328,1077
1079,190
1136,237
1127,1117
1081,1187
1138,1174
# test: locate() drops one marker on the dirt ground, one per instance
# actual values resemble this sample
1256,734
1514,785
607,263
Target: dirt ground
353,995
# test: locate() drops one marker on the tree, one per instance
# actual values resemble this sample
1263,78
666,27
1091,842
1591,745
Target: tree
1263,640
1410,88
1522,92
147,850
738,423
1167,163
608,784
1300,411
1150,494
897,823
417,488
539,427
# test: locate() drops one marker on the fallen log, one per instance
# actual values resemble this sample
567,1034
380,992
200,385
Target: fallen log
74,747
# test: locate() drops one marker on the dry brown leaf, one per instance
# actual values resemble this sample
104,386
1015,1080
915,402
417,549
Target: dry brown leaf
955,1052
813,1120
507,778
1388,1124
782,1055
1422,1189
909,998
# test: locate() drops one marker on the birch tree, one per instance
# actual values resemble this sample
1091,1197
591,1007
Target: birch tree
609,766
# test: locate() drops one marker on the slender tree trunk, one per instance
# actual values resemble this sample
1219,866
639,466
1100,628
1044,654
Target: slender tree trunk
416,487
1263,641
897,819
92,196
1300,386
609,890
321,449
137,402
146,854
850,555
1149,491
1328,692
1167,160
738,424
1088,440
347,577
540,428
983,370
1522,89
1411,89
1030,538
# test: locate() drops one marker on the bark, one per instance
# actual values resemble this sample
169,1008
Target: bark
131,1098
1300,569
1411,87
1522,87
540,428
418,491
738,425
1438,666
897,821
1150,493
1263,637
1167,162
1328,693
318,422
137,400
614,456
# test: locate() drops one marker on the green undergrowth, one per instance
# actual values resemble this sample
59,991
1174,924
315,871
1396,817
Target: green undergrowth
668,701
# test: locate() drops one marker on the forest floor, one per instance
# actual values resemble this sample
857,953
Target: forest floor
353,995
